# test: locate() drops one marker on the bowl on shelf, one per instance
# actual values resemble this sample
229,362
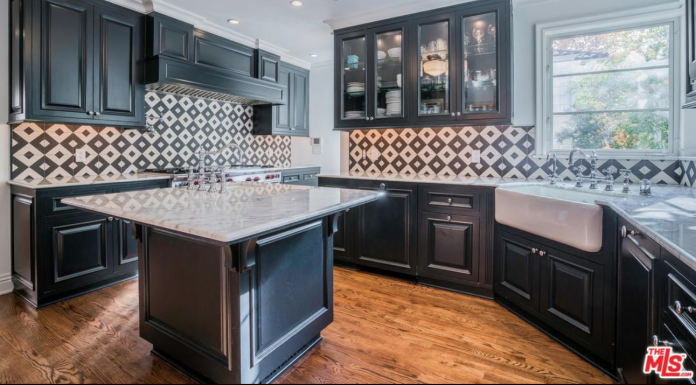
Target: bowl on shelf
435,67
381,55
394,53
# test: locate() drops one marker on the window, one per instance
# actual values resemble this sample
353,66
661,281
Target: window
611,87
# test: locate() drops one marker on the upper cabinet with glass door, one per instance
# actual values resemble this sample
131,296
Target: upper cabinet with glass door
450,66
485,93
352,98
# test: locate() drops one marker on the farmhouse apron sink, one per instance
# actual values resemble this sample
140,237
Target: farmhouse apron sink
565,216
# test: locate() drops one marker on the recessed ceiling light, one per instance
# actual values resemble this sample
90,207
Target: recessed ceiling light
296,3
314,55
233,21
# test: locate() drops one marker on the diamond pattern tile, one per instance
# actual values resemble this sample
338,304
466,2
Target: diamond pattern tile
182,127
506,151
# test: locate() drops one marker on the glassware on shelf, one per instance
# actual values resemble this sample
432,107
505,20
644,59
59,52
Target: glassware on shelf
480,85
492,31
354,79
434,88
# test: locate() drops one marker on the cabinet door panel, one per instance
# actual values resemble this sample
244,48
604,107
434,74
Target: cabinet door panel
387,230
79,250
449,247
572,295
300,103
637,308
352,81
283,112
119,86
67,58
127,244
388,75
517,271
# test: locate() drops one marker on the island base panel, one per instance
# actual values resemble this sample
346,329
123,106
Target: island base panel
236,314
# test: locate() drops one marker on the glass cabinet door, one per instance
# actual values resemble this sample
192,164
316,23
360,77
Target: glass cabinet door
480,80
354,79
389,94
435,55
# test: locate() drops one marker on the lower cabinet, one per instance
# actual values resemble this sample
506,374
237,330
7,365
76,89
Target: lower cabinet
302,176
387,228
436,234
637,304
566,292
61,252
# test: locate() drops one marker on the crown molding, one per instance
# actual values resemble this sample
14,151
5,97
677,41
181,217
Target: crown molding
389,12
200,22
323,64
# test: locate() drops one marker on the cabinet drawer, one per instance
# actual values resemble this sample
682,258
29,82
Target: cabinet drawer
53,205
628,231
672,336
680,306
450,200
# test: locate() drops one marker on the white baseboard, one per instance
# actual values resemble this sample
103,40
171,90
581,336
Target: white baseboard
6,285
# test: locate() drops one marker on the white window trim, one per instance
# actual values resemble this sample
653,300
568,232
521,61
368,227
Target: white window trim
650,16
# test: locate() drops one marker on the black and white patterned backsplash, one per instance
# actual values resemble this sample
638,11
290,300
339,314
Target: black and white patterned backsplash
506,152
41,150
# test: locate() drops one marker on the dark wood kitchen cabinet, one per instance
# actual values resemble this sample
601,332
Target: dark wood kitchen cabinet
637,317
292,118
436,234
566,292
386,230
60,252
76,62
449,66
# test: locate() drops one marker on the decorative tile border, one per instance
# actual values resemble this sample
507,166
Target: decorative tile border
506,152
186,125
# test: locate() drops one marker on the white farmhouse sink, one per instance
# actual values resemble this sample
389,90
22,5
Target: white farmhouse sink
565,216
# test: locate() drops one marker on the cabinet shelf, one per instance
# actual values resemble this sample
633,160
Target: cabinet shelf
452,91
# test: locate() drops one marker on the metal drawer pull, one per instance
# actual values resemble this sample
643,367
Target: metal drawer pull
542,254
449,218
656,342
678,308
625,232
450,200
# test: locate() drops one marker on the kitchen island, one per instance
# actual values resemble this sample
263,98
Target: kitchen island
235,287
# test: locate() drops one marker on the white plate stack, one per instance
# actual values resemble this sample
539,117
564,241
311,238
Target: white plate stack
355,114
394,103
355,87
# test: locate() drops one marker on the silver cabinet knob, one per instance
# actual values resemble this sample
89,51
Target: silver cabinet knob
382,186
459,114
90,113
534,251
656,342
542,254
367,118
453,114
450,200
97,113
678,308
347,211
372,118
624,232
449,218
111,219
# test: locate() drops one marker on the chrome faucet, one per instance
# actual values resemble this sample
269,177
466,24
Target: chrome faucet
553,177
201,161
594,182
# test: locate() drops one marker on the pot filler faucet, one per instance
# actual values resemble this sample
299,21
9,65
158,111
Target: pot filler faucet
201,161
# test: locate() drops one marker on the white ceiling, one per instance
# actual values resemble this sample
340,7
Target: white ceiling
295,33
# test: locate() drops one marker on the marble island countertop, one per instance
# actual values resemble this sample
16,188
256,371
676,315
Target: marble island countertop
248,210
668,217
38,184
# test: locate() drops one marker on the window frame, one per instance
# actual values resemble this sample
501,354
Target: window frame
643,18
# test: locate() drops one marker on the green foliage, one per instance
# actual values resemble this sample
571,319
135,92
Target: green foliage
618,91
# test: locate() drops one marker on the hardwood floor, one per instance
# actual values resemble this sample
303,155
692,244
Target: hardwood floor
386,331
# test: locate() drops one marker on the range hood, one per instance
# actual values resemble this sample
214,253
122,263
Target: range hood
163,74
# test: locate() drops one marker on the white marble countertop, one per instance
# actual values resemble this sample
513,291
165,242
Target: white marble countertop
248,210
668,217
37,184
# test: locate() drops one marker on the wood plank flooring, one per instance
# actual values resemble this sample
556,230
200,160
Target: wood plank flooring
386,331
